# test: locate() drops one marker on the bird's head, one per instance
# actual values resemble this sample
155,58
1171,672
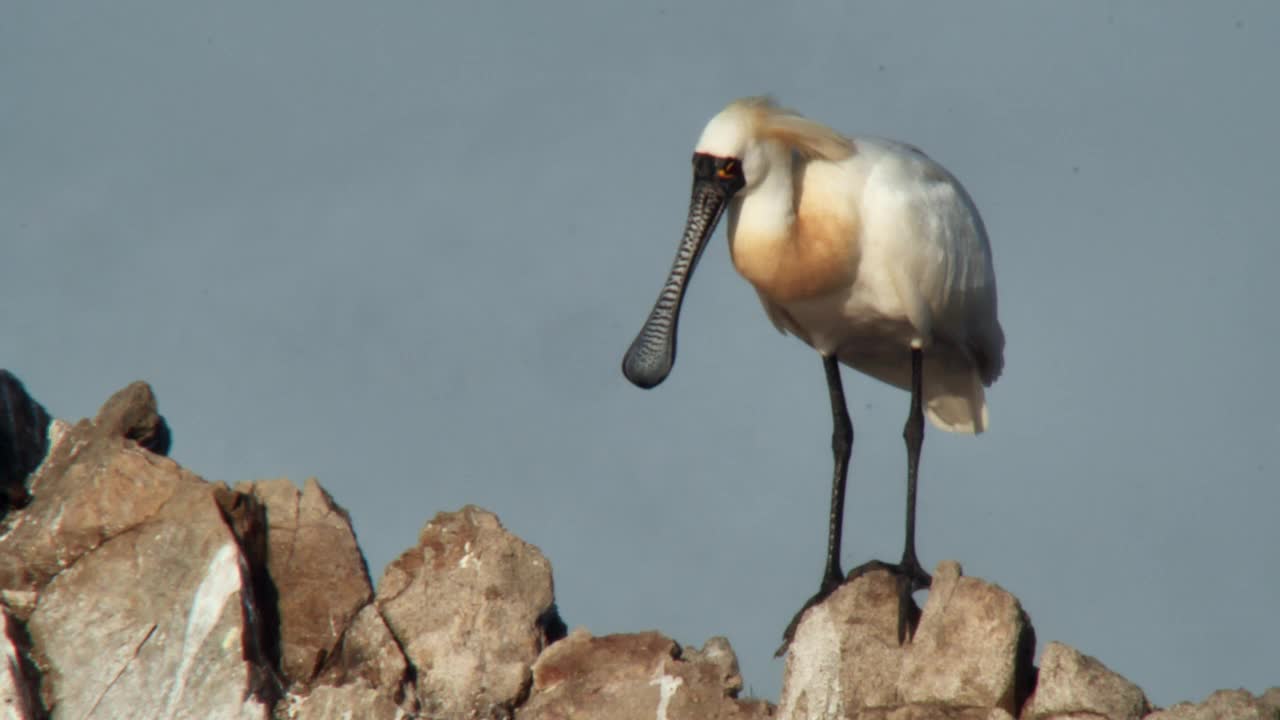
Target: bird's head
738,149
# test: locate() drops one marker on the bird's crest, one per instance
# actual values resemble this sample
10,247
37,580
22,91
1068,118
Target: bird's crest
811,139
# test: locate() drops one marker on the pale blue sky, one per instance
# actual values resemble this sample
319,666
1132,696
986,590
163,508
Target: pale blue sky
402,246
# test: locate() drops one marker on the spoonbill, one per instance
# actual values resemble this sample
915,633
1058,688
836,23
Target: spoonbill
868,251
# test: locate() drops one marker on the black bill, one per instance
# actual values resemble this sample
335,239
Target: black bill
649,359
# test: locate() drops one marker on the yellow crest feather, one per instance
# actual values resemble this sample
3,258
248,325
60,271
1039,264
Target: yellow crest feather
809,138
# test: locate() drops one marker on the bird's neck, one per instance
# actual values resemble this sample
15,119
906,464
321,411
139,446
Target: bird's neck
768,211
794,244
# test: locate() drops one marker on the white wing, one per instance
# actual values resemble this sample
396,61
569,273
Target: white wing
924,234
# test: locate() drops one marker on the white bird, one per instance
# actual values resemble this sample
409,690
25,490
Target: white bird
867,250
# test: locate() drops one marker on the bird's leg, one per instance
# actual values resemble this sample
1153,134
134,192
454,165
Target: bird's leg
841,448
909,574
913,433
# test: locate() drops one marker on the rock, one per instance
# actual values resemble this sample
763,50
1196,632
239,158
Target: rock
974,646
156,622
1074,685
92,486
642,675
931,712
467,606
717,653
132,414
356,700
24,426
845,655
1271,699
130,587
1233,704
368,652
971,653
19,699
319,575
142,602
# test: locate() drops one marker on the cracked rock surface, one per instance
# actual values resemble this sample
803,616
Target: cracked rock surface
132,588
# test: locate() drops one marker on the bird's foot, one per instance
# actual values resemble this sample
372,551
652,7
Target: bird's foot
830,582
910,577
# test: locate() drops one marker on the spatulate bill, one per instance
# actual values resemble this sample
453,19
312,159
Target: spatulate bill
652,354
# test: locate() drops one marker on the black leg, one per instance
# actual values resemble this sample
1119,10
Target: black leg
913,433
841,448
910,575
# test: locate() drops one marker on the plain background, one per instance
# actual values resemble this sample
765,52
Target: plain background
402,246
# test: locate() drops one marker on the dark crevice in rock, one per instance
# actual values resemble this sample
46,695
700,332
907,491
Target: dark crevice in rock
28,667
552,626
1026,672
158,438
24,440
247,519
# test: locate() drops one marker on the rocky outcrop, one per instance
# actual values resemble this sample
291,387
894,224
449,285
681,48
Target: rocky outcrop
970,655
130,587
1233,704
1072,685
640,676
474,657
312,551
135,592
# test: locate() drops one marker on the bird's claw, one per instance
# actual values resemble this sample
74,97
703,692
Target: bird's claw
829,585
909,577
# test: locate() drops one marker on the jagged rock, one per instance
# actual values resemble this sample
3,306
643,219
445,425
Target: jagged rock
971,653
931,712
1072,685
319,575
18,695
130,587
1233,704
23,440
1271,698
347,702
156,622
718,653
142,599
368,652
94,485
466,606
642,675
974,645
845,654
132,414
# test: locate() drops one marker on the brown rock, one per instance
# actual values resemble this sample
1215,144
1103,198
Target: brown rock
717,653
319,574
156,621
19,699
1074,685
368,652
356,700
1233,704
971,652
845,656
972,648
465,605
134,590
642,675
91,487
1271,698
931,712
132,414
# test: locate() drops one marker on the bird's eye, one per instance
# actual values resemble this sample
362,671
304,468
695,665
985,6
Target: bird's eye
728,171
